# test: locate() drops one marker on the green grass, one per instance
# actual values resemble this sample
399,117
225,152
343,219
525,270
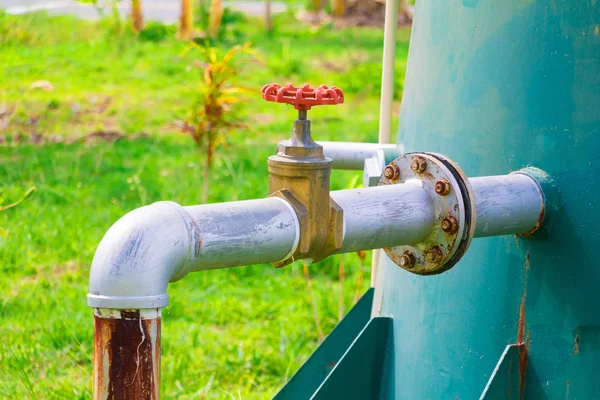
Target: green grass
226,334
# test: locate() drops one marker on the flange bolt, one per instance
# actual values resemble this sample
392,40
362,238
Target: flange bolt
442,187
391,172
434,254
407,260
418,165
449,224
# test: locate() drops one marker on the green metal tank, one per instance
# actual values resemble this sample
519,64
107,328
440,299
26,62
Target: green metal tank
495,86
498,86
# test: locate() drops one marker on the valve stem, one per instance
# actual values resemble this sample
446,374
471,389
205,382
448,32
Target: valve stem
302,114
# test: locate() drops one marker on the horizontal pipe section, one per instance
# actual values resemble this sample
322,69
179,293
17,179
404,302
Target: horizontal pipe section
351,155
507,204
160,243
384,216
244,232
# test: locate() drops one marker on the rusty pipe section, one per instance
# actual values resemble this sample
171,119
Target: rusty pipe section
127,354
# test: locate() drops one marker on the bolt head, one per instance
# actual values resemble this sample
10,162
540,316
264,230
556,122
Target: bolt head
418,165
449,224
407,260
442,187
434,254
391,172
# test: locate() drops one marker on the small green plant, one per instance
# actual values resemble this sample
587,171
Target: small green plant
156,32
211,117
16,203
230,27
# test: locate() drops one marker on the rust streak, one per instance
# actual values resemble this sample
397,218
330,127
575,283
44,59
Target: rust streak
523,346
576,344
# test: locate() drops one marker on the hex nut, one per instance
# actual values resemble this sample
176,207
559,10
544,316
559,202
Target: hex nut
418,165
434,254
391,172
407,260
449,224
442,187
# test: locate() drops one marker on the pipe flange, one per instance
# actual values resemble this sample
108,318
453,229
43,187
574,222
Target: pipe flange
454,208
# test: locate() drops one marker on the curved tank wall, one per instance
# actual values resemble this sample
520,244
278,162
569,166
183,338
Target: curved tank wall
498,86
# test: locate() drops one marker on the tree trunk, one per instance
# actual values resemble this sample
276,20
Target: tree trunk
339,8
215,17
186,20
207,166
268,16
137,19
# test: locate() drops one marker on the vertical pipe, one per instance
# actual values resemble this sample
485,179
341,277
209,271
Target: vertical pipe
387,92
387,76
268,16
126,354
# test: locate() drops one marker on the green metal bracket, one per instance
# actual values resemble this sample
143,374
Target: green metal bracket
363,370
314,371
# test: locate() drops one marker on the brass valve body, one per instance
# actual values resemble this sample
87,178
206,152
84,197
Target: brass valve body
299,173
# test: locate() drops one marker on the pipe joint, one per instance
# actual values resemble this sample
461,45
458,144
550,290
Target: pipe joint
133,265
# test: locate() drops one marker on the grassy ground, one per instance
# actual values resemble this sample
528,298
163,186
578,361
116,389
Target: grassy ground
238,333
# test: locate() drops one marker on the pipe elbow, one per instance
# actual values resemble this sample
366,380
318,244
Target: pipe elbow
140,254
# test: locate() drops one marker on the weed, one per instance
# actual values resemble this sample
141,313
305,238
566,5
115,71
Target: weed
211,116
14,204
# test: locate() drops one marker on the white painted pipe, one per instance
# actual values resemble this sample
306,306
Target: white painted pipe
384,216
161,243
387,94
352,155
507,204
387,77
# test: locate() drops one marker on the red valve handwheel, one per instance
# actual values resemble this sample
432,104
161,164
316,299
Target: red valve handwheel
303,98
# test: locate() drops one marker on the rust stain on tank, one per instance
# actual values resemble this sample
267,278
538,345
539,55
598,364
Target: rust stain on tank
576,344
521,342
126,357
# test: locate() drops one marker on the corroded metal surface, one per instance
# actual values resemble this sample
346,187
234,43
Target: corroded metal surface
453,204
126,354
